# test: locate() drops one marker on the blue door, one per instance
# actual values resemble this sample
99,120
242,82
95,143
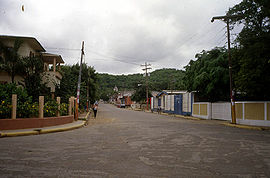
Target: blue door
178,104
159,101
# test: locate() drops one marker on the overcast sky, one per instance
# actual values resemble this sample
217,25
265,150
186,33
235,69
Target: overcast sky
119,35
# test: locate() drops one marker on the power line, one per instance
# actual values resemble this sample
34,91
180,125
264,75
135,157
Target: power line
97,53
69,49
129,60
114,58
104,59
200,41
222,41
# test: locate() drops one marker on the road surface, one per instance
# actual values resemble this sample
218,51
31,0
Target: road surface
125,143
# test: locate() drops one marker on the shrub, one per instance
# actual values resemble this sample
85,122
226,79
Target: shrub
5,109
27,110
25,107
6,91
63,109
50,108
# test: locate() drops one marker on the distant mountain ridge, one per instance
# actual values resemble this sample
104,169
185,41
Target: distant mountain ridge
160,79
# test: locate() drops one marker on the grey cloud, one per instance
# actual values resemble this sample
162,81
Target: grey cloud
165,33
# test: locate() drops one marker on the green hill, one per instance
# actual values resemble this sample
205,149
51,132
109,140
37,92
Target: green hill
160,79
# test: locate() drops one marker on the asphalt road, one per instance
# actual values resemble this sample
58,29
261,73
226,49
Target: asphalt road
124,143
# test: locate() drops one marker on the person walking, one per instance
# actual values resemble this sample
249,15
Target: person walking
95,108
159,110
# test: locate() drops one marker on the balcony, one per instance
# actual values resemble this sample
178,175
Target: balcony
51,77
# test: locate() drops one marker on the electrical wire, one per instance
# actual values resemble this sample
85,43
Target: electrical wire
97,53
60,49
129,60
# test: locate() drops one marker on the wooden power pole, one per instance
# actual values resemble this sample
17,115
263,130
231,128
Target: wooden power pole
146,67
79,84
226,19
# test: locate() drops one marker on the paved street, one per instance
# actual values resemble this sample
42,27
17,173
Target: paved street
124,143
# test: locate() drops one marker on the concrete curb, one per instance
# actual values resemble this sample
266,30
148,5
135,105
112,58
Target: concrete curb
44,131
61,129
15,134
188,117
40,131
86,117
246,126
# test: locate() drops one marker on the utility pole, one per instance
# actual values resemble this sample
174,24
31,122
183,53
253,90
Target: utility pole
226,19
79,84
87,98
146,80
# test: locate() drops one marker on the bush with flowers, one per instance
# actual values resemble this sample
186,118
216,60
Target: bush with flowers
26,108
6,91
50,108
63,109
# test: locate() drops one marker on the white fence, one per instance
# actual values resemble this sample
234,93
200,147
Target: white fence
247,112
202,110
221,111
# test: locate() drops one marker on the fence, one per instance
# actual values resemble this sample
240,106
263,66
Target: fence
41,106
202,110
247,112
253,113
221,111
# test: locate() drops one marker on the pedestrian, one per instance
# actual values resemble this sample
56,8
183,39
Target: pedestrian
159,110
95,108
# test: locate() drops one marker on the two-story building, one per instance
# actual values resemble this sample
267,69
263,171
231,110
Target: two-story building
31,47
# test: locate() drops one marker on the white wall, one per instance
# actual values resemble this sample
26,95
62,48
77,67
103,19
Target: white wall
155,102
167,102
187,102
202,110
24,50
162,102
152,102
172,102
221,111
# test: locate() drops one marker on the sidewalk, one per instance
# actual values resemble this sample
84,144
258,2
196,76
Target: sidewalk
35,131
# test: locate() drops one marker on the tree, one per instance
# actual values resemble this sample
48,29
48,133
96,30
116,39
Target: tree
10,61
167,79
209,75
140,94
33,69
68,85
160,79
251,58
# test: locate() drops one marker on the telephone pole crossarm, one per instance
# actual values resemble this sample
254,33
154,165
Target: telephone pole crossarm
226,17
